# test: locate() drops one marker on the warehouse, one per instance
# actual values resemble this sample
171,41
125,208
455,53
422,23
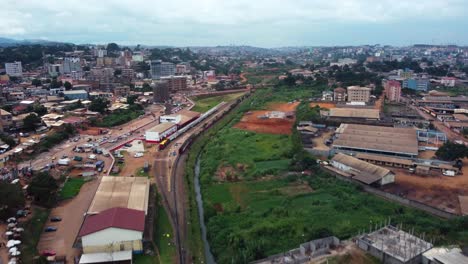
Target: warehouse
391,141
385,160
354,113
362,171
160,132
126,192
182,118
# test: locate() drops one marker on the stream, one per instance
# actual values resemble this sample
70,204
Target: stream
208,256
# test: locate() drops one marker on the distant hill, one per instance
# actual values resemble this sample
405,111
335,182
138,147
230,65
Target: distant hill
8,42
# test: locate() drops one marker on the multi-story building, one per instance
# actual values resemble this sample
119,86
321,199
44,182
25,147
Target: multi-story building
104,76
71,64
55,69
393,90
6,119
101,53
359,94
181,68
137,56
327,96
14,69
176,83
339,95
128,73
161,92
121,91
419,84
406,73
161,69
448,81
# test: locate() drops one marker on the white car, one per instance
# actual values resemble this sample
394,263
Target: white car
138,155
92,157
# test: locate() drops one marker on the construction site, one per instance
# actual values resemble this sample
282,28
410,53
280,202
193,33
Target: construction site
278,119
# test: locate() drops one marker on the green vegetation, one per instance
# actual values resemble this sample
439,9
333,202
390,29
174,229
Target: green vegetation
32,232
452,151
44,189
145,259
121,116
454,91
141,173
204,104
55,138
71,188
249,217
12,199
164,235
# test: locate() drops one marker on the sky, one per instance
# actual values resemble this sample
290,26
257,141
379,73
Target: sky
262,23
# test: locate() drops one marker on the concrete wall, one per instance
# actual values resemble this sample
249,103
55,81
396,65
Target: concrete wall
110,236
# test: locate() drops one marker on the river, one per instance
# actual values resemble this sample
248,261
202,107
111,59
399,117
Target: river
208,256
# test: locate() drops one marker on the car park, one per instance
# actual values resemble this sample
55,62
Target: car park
55,219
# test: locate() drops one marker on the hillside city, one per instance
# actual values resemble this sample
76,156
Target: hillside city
233,154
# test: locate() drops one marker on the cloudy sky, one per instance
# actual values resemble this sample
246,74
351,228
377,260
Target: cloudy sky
265,23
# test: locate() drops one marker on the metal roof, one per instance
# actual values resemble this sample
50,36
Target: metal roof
366,172
355,113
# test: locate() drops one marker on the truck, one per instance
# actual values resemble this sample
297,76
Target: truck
449,173
99,164
63,162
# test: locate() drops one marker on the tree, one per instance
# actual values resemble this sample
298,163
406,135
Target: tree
117,72
99,105
55,84
131,99
451,151
43,187
39,109
30,121
113,47
68,86
36,82
12,199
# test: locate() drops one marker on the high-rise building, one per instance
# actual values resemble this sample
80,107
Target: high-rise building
14,69
55,69
161,92
419,84
176,83
339,95
393,90
358,94
71,65
161,69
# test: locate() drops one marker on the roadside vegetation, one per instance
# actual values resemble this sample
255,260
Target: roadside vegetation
120,117
206,103
32,232
164,235
252,212
71,188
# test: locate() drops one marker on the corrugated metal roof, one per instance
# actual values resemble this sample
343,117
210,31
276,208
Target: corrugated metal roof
368,173
384,159
355,113
117,217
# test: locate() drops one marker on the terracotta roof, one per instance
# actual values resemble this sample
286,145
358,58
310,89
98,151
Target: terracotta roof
117,217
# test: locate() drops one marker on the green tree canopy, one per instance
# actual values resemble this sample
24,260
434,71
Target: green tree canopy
68,86
36,82
451,151
30,121
39,109
43,187
12,199
99,105
131,99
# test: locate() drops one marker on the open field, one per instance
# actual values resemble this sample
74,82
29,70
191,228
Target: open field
71,188
204,104
32,232
251,216
164,236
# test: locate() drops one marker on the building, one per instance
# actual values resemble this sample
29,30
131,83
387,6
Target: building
362,171
6,120
100,53
418,84
14,69
406,73
346,113
160,132
359,94
176,83
181,119
390,141
71,64
394,246
128,73
111,230
339,95
448,81
161,92
55,69
161,69
393,90
76,94
453,255
126,192
121,91
327,96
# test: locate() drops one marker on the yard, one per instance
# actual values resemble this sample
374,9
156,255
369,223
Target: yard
32,233
204,104
71,188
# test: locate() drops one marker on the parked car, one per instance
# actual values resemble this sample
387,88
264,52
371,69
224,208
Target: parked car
78,158
55,219
92,156
48,253
128,145
138,155
50,229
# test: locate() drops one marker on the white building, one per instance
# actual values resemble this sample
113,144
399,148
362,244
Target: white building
170,119
159,132
14,69
71,64
448,81
55,69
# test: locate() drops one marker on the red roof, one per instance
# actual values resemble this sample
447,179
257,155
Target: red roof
117,217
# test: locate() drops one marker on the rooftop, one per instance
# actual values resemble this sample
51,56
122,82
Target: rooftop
75,92
127,192
384,158
117,217
365,172
161,127
377,138
355,113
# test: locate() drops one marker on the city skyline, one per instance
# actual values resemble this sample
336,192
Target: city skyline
261,23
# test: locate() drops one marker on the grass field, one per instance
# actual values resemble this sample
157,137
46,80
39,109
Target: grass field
71,188
251,217
32,232
164,236
204,104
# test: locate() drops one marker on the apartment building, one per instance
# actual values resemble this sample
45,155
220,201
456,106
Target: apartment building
339,95
176,83
14,69
359,94
393,90
161,69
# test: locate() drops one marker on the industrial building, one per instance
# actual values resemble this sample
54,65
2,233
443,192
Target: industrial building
394,246
160,132
352,114
125,192
390,141
362,171
182,118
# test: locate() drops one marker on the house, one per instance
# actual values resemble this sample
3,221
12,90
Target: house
448,81
76,94
6,119
114,229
